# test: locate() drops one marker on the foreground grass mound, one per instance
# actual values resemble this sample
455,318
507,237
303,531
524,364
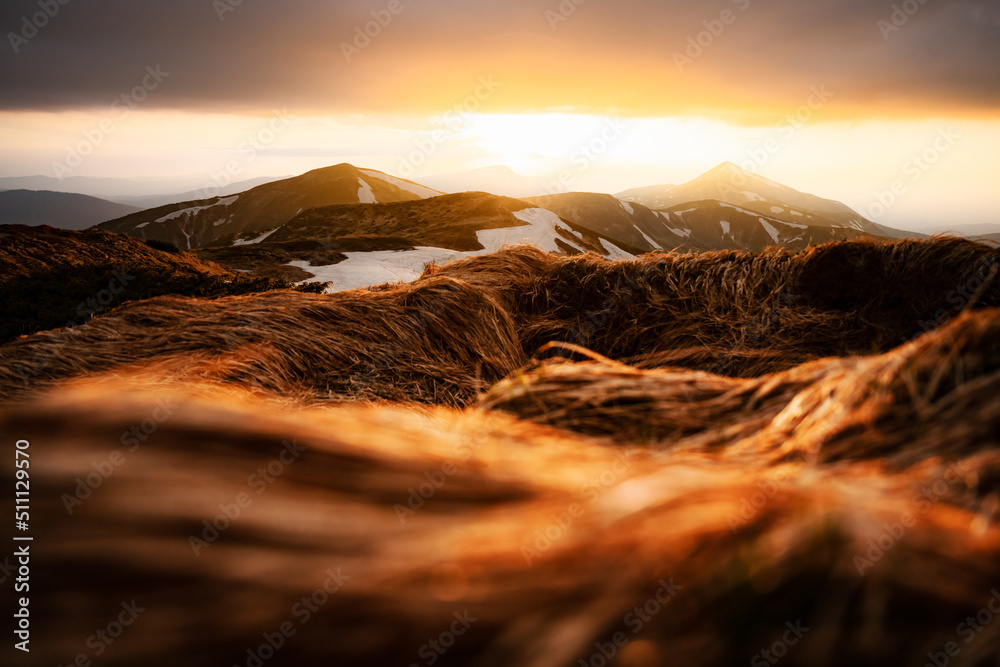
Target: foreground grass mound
842,513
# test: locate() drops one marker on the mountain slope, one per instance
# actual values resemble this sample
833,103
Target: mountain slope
692,226
632,227
720,226
449,221
358,245
729,184
225,220
62,210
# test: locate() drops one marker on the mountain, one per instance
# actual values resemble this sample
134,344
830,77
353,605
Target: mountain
689,227
632,227
57,209
716,225
732,185
107,188
356,228
498,180
225,220
359,245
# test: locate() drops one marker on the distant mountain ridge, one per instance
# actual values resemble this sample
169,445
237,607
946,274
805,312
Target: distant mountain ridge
729,184
357,227
225,220
57,209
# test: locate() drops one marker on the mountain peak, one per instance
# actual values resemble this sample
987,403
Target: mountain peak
728,171
344,168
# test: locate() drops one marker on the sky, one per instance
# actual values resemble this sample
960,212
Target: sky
891,107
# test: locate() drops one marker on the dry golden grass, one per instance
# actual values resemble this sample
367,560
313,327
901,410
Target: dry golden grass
779,482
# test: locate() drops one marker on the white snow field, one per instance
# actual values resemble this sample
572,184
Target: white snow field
362,269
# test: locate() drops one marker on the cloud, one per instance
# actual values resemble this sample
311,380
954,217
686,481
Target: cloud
598,55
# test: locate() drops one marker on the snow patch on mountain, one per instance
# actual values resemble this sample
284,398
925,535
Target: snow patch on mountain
737,208
183,212
541,230
648,240
627,207
365,194
725,227
614,252
795,225
362,269
770,229
196,209
413,188
258,239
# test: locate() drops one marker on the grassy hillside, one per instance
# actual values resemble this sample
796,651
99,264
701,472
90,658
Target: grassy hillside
468,324
449,221
747,459
55,278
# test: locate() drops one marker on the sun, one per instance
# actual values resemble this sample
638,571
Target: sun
527,141
550,141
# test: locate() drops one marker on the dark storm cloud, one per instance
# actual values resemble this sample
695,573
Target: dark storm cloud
946,55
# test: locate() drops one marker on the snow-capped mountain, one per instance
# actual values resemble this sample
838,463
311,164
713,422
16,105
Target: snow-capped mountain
249,215
357,227
715,225
629,226
732,185
691,226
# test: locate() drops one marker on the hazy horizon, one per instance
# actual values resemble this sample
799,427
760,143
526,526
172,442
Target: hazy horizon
181,183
